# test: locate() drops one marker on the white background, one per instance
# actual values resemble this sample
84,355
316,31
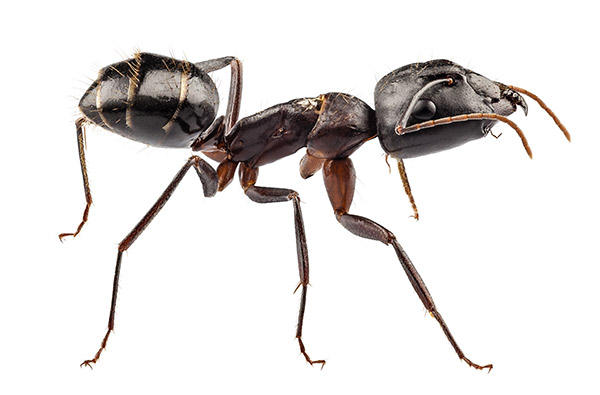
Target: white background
506,245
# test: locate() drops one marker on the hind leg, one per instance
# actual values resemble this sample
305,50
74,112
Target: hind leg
208,177
86,185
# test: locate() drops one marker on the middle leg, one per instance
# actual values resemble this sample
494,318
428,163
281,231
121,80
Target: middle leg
258,194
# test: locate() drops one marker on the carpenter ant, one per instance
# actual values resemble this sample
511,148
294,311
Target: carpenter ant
420,109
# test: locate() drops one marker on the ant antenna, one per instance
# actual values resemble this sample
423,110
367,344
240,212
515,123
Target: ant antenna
467,117
416,98
545,107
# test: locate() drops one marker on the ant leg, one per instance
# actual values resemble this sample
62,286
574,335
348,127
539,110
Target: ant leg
86,185
407,190
257,194
339,180
235,86
208,177
215,64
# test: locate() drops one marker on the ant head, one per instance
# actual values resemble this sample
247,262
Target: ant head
416,104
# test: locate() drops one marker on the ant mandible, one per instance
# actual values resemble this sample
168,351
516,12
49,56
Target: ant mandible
421,108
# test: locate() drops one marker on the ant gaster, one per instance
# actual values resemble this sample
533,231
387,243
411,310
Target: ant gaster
420,109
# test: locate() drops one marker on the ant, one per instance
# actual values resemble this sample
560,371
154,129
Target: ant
420,109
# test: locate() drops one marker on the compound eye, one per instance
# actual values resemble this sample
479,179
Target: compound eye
424,110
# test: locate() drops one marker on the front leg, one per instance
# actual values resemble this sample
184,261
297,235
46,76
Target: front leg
340,180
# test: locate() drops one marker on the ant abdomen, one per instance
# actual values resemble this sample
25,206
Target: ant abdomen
152,99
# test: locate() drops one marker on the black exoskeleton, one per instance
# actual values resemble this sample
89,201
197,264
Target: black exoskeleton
420,109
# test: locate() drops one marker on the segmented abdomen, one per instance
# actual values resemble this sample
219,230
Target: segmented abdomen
152,99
